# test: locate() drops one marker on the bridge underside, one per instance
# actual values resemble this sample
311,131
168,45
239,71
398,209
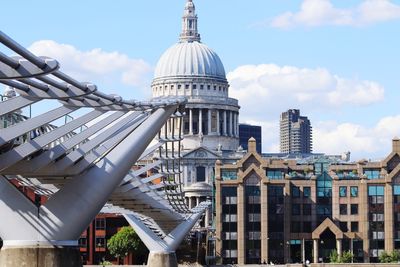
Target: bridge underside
80,153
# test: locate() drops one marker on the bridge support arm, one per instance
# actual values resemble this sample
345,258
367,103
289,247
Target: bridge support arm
162,250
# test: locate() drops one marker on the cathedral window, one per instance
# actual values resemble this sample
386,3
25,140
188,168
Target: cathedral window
179,86
194,86
201,86
208,87
186,86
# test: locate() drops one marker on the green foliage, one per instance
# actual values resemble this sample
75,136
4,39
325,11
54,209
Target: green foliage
386,257
123,242
334,256
105,263
346,257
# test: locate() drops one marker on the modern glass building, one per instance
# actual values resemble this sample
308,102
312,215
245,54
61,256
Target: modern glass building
293,210
246,131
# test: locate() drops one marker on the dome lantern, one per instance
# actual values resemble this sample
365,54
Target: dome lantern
189,24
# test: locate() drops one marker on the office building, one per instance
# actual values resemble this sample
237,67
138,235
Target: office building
246,131
295,132
287,210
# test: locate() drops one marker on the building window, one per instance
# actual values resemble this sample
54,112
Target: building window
343,226
172,87
228,174
100,223
343,209
295,191
275,174
201,86
194,86
100,242
307,227
354,209
372,173
295,209
215,87
201,174
208,87
306,192
186,86
82,242
342,191
396,190
306,209
295,227
354,226
179,86
354,191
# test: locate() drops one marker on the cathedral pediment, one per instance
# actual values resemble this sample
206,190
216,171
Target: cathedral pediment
201,153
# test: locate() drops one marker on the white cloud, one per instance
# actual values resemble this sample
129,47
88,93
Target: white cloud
322,12
96,65
266,90
334,138
363,142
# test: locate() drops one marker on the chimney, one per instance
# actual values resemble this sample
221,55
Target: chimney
251,147
396,145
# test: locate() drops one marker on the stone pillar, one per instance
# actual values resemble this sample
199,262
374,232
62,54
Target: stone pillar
207,217
264,223
237,124
39,256
162,259
209,121
241,225
339,247
225,122
218,129
315,250
190,202
231,123
197,201
200,121
389,218
190,121
303,251
234,124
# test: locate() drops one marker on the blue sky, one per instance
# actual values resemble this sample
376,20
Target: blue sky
335,60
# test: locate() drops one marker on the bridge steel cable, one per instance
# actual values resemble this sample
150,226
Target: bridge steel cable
85,164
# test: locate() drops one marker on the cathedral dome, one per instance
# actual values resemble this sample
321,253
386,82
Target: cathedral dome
189,58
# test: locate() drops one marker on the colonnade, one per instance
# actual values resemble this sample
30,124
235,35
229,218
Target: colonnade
215,121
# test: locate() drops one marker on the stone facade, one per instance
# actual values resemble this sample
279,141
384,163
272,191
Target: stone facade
281,211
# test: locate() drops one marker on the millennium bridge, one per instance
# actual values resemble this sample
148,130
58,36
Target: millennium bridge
84,164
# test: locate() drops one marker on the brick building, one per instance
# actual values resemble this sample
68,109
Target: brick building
285,210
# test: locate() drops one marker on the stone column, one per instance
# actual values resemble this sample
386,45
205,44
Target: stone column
190,202
303,251
190,121
209,121
315,250
230,124
234,124
197,201
200,121
240,225
224,122
264,223
389,218
339,247
207,218
237,124
218,129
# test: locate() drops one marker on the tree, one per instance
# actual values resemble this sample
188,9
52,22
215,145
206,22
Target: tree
125,241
